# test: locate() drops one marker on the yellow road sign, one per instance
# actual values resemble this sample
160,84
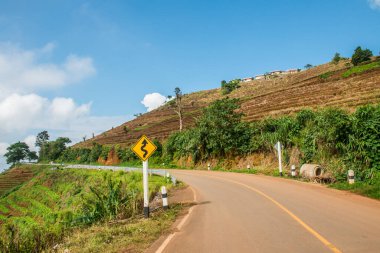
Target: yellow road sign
144,148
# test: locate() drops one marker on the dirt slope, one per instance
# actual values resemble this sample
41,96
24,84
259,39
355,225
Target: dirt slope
15,177
260,99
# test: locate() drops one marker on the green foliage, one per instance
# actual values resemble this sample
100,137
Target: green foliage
228,87
42,138
308,66
361,68
325,75
39,214
361,55
371,190
52,150
106,204
363,148
336,59
19,151
219,132
331,137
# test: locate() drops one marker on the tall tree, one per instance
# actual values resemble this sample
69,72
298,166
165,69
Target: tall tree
42,141
17,152
42,138
179,107
56,148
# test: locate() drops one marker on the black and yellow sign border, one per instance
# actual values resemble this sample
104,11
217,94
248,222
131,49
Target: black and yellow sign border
149,141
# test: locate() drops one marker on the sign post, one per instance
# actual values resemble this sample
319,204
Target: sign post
144,148
278,148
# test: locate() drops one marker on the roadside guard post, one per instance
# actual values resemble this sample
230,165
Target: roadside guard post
144,148
278,148
164,198
351,176
293,170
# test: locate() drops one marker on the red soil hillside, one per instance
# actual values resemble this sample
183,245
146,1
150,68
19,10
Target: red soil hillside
259,99
16,176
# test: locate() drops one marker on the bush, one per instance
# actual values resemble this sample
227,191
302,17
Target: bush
228,87
360,56
336,59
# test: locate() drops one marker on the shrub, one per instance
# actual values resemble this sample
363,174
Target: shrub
360,56
336,58
228,87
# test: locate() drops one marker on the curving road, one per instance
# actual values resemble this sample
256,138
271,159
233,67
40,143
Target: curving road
250,213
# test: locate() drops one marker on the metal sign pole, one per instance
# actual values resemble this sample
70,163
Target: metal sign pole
146,190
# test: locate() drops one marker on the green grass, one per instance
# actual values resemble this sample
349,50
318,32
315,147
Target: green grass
365,189
134,235
360,69
326,75
42,211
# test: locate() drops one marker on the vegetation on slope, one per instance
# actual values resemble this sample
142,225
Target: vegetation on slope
361,68
331,137
43,211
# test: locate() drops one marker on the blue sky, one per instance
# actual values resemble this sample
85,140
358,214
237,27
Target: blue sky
78,67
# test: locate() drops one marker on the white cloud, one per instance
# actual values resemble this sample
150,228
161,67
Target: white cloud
24,71
30,140
375,4
153,100
22,112
3,148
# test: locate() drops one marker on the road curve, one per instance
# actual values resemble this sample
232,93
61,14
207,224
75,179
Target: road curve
250,213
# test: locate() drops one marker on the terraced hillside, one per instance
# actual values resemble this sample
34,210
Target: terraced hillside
320,86
15,177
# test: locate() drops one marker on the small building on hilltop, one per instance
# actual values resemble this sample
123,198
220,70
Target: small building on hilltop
247,79
258,77
276,72
292,71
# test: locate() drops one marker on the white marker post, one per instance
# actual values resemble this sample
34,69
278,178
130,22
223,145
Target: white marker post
293,170
351,177
146,190
279,157
164,198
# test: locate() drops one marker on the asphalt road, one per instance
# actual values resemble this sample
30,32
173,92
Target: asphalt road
250,213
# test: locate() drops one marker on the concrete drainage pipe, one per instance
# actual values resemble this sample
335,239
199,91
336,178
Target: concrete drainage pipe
311,171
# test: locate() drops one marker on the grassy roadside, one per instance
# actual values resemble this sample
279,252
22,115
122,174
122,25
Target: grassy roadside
64,204
134,235
361,188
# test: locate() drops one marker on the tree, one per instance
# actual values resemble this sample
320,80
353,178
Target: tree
221,131
32,155
179,106
42,138
57,147
360,56
228,87
17,152
308,66
336,58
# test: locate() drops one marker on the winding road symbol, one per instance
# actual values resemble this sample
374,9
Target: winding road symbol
144,148
144,143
